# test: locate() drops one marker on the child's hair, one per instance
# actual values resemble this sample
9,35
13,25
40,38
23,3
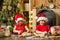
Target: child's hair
39,22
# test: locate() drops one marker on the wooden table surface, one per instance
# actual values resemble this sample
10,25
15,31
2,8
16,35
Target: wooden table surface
28,38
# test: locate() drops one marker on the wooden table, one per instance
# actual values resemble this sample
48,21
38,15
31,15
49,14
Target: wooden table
28,38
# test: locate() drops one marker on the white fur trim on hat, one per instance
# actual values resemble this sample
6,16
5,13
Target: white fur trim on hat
42,18
19,19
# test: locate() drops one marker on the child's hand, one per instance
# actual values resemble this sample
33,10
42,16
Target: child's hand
19,32
27,30
42,35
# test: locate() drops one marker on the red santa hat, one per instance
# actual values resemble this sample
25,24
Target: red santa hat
19,17
42,16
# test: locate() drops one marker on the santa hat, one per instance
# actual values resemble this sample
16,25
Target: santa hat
41,16
19,17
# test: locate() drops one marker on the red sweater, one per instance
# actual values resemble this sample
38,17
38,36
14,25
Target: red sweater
43,28
20,28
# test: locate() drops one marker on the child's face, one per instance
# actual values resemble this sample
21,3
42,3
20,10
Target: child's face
42,22
20,22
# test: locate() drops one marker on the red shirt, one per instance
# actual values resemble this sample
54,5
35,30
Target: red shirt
43,28
20,28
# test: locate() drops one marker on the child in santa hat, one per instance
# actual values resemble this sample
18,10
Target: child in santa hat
20,28
42,28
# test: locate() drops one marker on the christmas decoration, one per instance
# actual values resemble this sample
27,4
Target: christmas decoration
1,33
12,18
4,7
7,31
51,6
26,6
18,5
9,9
53,30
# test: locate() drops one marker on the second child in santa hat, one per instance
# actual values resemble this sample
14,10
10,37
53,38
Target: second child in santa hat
42,28
20,28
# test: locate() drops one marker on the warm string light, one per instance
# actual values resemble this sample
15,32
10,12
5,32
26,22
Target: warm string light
31,20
